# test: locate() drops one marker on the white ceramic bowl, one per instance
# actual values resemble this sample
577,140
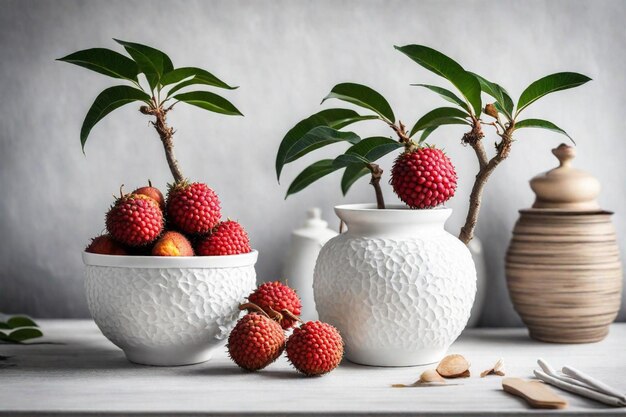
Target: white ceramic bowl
167,310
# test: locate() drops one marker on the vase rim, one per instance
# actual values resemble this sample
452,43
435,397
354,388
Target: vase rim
129,261
393,214
391,208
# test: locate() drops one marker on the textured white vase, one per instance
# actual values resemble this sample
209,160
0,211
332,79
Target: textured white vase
397,286
167,311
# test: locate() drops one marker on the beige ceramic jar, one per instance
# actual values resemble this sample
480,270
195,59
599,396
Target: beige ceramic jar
563,269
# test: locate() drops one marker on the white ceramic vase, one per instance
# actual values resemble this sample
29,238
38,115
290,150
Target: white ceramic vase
167,311
397,286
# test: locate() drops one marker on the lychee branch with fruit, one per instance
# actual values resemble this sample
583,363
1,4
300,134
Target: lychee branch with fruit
422,175
144,222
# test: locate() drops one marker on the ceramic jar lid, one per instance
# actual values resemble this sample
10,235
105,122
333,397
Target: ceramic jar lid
565,187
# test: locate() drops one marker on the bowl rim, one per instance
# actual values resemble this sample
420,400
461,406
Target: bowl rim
178,262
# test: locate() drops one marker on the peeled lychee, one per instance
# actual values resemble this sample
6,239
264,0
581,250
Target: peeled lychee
105,245
228,238
315,348
255,342
423,177
274,297
152,192
193,208
172,244
135,220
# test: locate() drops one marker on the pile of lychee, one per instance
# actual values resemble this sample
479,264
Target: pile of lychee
187,223
258,339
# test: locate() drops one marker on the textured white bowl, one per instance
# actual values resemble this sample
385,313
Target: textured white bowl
397,286
167,310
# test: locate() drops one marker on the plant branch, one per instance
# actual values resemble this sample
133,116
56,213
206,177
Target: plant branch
377,174
486,169
166,134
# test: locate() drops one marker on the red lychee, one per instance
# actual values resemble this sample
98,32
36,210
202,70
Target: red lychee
152,192
193,208
172,244
315,348
424,177
255,342
134,220
228,238
274,297
105,245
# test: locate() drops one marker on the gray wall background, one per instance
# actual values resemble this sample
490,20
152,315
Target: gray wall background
285,55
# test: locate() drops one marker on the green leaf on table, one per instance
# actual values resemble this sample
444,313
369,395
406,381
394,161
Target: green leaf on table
20,321
23,334
541,124
152,62
199,76
549,84
440,116
311,174
362,96
5,338
445,93
4,325
351,174
447,68
367,150
107,101
500,94
316,138
104,61
209,101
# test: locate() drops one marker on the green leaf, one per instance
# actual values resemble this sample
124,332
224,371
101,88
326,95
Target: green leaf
5,338
316,138
311,174
542,124
367,150
107,101
23,334
209,101
445,115
20,321
104,61
426,133
363,96
152,62
334,118
447,68
200,76
500,94
351,174
549,84
446,94
4,325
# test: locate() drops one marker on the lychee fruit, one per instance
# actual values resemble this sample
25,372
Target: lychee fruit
228,238
172,244
105,245
152,192
134,220
315,348
255,342
274,297
423,177
193,208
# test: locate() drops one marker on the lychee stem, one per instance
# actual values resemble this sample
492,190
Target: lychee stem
253,307
166,134
487,166
377,174
290,315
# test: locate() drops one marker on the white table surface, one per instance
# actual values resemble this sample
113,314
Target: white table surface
84,374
